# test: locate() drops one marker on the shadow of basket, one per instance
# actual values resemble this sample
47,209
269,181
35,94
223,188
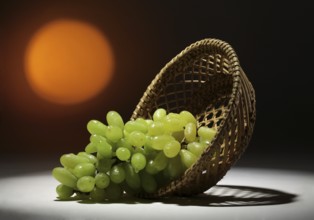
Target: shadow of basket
231,196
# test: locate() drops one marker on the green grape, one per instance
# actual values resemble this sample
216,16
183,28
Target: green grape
96,127
187,158
151,168
149,121
174,168
206,133
71,160
86,183
104,149
188,117
92,159
137,138
131,177
172,124
135,126
190,132
149,183
82,195
160,161
91,148
178,135
124,143
156,128
196,148
158,142
129,191
114,133
84,169
95,139
115,119
138,161
148,150
102,180
159,114
123,153
64,192
64,176
143,122
114,192
172,148
117,174
104,165
98,195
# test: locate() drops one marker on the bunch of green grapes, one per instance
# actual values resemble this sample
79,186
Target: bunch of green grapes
137,156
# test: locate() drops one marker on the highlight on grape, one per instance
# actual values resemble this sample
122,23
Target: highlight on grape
138,156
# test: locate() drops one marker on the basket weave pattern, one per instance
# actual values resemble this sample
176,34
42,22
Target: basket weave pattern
207,80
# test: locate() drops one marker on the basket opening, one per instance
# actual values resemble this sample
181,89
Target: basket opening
202,86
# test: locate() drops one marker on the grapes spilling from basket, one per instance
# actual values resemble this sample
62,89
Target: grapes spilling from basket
134,157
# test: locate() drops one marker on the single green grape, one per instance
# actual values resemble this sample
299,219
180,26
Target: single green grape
136,138
123,153
174,168
138,161
206,133
104,149
114,192
160,161
187,158
148,182
117,174
149,121
159,114
84,169
86,183
98,195
178,135
96,127
148,150
82,195
172,148
188,117
196,148
114,133
137,125
95,138
151,168
71,160
114,119
172,124
158,142
124,143
102,180
64,176
104,165
190,132
91,148
64,192
156,128
131,177
92,159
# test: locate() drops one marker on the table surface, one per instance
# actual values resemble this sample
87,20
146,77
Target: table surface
244,193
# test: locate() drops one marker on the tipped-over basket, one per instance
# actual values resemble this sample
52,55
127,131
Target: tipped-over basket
206,79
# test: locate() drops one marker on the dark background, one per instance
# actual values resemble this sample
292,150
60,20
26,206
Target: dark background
274,42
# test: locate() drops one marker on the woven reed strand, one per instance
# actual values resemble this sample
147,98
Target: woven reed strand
207,80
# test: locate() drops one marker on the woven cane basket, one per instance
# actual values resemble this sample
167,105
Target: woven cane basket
206,79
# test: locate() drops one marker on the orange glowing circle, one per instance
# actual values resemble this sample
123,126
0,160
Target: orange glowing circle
68,62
